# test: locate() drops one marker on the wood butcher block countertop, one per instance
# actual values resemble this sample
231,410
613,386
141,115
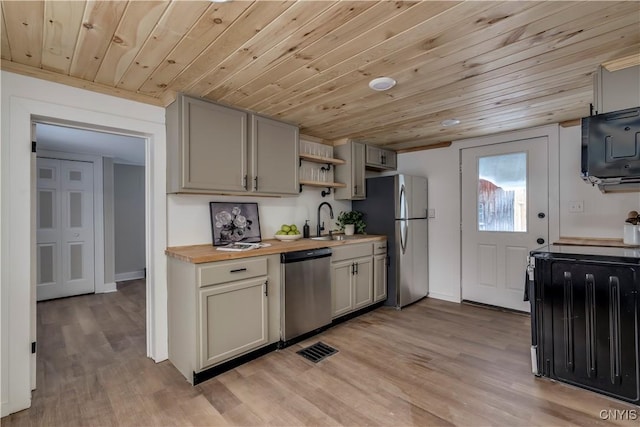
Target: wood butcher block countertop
593,241
198,254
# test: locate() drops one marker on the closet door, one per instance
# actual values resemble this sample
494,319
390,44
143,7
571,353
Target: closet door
64,228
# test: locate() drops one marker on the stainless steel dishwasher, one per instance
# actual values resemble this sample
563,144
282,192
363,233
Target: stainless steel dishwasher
306,303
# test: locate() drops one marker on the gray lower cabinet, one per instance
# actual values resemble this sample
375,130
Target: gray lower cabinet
352,173
380,271
233,319
341,288
220,310
363,282
351,278
212,148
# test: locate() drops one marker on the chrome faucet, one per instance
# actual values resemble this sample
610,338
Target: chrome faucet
321,226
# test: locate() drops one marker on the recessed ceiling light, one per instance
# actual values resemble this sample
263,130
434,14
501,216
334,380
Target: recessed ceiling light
450,122
382,83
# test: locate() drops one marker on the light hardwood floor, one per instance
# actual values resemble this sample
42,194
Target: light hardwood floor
433,363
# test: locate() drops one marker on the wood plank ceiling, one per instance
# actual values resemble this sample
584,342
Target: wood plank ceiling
495,66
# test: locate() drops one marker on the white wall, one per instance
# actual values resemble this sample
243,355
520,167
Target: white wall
189,220
128,215
604,214
25,98
441,167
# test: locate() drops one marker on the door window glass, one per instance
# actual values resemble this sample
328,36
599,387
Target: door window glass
502,192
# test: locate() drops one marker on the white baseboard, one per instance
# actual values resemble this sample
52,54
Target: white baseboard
444,297
130,275
107,287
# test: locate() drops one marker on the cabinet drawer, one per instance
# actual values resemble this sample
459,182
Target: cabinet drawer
351,251
379,248
222,272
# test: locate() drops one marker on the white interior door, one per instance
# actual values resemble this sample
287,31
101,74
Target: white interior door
505,198
64,228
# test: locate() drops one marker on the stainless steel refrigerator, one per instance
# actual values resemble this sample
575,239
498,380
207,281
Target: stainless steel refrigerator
396,206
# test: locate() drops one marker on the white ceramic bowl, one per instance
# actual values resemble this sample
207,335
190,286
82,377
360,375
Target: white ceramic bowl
288,236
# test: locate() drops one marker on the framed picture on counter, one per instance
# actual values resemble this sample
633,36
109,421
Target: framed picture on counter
234,222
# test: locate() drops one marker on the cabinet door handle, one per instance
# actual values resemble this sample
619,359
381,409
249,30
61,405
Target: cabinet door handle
355,189
353,268
245,183
238,270
266,288
255,183
356,268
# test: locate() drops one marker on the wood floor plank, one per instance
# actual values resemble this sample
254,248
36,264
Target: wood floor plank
433,363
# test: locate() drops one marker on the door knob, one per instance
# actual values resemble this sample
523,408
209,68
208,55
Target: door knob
541,215
540,240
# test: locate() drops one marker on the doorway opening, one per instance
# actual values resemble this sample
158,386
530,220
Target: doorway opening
90,222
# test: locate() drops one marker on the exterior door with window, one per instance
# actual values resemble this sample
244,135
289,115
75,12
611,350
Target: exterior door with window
505,198
64,228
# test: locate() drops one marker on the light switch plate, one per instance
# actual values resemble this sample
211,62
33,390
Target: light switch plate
432,213
576,206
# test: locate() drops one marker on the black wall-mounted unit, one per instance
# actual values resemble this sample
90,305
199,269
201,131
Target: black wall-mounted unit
611,150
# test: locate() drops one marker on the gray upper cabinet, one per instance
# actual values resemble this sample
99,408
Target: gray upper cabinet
274,149
616,90
206,147
380,159
216,149
352,172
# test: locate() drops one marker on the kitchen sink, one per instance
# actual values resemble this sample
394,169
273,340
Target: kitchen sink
334,237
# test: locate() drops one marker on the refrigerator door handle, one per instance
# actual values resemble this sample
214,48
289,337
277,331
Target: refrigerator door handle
403,236
404,207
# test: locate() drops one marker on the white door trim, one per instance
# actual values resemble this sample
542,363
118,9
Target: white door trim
98,212
16,203
552,133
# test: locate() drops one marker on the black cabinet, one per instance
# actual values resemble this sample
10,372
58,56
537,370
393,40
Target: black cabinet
586,322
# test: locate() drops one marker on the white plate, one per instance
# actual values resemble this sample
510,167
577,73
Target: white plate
288,236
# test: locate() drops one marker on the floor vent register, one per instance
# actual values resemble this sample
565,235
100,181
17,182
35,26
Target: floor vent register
317,352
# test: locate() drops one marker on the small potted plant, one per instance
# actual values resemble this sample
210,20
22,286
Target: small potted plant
350,222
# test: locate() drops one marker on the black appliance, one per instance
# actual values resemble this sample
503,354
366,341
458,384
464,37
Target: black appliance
585,312
611,150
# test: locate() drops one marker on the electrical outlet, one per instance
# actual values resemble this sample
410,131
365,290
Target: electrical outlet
432,213
576,206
